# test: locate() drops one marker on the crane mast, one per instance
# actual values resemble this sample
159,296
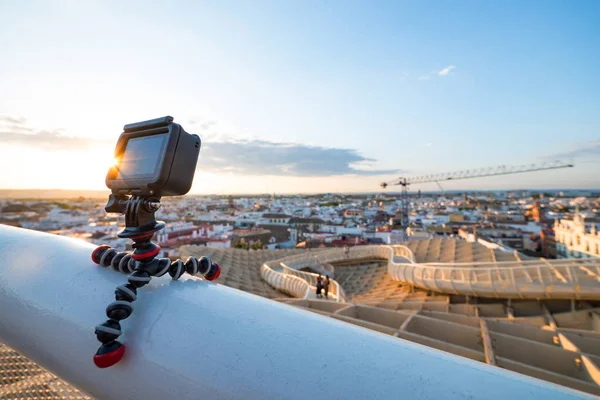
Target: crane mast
466,174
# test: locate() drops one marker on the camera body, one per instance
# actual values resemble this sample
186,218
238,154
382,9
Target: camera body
154,158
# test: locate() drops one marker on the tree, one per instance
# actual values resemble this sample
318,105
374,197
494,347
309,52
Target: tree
15,208
256,245
63,206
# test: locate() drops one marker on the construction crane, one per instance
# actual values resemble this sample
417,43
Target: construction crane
466,174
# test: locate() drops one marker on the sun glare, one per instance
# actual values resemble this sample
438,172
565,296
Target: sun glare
114,161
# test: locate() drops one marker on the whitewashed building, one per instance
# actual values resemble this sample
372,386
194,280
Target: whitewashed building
576,238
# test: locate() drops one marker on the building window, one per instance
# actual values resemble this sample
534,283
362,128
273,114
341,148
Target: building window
597,249
587,246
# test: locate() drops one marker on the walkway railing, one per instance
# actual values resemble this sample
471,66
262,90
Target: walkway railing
335,290
289,284
286,276
252,348
525,279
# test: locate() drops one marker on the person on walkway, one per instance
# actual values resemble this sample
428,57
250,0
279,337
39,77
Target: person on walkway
326,285
319,285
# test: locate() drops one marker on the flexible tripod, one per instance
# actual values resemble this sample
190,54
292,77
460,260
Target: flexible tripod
141,265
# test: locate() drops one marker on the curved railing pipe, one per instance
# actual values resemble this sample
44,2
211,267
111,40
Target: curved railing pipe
192,339
335,290
289,284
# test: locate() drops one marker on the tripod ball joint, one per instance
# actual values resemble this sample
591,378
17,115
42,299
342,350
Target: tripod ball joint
214,272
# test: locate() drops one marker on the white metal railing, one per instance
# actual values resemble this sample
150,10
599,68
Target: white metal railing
286,277
252,348
335,290
292,285
532,279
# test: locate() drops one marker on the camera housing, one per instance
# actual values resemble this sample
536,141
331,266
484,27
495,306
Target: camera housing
154,158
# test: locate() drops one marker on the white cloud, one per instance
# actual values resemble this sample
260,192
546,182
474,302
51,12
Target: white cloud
423,78
221,152
258,157
590,149
446,70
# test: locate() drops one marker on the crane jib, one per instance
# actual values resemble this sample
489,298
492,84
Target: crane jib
467,174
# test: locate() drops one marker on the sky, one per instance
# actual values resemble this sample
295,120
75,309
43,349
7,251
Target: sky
304,96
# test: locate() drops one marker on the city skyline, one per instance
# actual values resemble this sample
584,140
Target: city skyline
304,97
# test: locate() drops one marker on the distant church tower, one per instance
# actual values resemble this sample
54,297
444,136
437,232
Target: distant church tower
538,213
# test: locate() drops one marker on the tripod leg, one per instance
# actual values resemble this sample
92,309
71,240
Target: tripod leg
111,351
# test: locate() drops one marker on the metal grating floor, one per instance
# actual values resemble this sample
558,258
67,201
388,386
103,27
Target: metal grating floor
21,379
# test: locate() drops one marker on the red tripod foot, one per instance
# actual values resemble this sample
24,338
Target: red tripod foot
109,354
214,273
